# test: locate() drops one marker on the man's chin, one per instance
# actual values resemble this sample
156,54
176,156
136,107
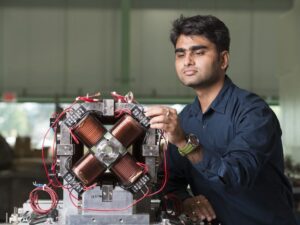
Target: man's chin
191,83
200,83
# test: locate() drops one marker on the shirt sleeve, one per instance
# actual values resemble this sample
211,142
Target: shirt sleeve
257,132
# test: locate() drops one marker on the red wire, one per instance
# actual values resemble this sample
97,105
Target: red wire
120,112
46,134
165,177
54,161
89,98
53,147
73,136
144,166
53,195
34,198
117,97
90,187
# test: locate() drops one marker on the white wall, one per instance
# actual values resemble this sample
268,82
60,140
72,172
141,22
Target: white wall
59,47
67,47
290,80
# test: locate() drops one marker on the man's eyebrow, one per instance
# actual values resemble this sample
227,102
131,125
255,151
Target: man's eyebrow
197,47
192,48
179,50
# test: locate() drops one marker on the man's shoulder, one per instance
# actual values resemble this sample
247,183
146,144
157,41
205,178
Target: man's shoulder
246,98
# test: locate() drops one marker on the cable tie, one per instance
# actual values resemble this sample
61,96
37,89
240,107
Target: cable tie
37,184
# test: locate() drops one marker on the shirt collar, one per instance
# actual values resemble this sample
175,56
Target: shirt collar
220,102
195,107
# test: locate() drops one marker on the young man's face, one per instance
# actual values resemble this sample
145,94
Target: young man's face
197,61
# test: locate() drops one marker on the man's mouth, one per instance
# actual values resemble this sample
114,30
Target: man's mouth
189,72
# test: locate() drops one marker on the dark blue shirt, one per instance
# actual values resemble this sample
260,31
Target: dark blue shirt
241,173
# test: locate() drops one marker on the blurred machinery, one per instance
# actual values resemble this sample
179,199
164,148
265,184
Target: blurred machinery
6,154
115,181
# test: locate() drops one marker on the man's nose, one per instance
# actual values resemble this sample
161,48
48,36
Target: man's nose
188,60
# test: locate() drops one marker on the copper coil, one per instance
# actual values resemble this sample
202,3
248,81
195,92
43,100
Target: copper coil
89,130
127,130
127,170
88,169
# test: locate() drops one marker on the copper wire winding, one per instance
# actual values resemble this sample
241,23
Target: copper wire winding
89,130
127,130
127,170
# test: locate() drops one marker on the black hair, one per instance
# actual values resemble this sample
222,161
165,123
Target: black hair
208,26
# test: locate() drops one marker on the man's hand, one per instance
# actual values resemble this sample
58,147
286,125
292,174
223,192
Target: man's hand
166,119
198,207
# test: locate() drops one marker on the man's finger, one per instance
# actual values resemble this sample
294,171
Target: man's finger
202,202
202,212
157,110
158,119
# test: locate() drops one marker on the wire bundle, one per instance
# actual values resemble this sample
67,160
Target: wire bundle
34,199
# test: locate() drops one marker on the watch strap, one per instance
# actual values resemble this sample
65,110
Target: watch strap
188,148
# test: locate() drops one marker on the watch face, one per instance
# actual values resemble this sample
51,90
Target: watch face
193,140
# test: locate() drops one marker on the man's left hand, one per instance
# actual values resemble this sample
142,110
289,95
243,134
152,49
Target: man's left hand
198,207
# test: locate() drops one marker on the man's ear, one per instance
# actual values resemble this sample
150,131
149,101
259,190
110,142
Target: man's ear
224,59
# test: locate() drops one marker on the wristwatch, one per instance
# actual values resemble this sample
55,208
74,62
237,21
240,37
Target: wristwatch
191,144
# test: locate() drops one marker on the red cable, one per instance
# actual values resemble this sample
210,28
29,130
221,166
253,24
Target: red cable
46,134
73,136
53,195
144,166
89,98
118,98
165,177
120,112
34,198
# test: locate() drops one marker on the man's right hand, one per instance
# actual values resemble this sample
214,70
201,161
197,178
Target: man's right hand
166,119
198,207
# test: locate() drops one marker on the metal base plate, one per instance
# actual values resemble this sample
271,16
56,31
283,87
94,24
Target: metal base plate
137,219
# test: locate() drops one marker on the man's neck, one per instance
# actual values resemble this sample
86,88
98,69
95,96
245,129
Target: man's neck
207,95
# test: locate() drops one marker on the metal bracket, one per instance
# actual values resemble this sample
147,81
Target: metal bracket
108,107
151,150
65,150
107,193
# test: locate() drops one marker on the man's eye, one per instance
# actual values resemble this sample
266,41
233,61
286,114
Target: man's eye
179,55
200,52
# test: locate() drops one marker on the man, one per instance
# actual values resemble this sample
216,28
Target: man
226,145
